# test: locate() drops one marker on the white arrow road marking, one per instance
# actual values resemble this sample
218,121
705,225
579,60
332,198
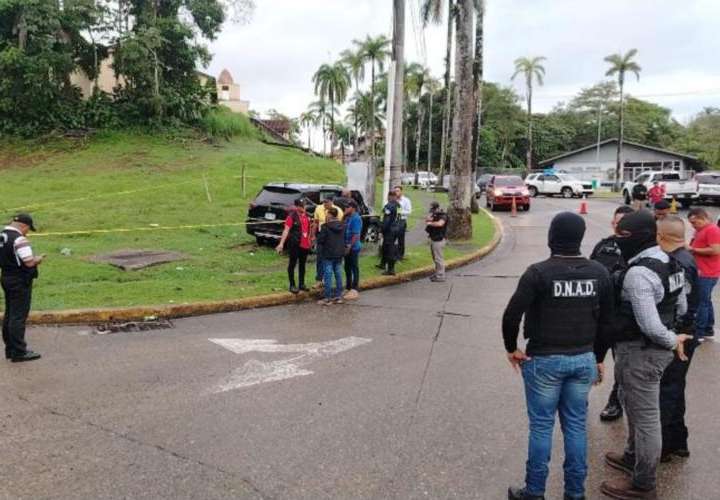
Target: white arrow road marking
257,372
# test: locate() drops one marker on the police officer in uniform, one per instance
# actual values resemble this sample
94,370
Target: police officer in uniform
651,298
567,301
19,269
608,253
390,230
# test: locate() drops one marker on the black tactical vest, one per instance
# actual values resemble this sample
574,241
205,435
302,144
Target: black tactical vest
10,264
672,276
569,307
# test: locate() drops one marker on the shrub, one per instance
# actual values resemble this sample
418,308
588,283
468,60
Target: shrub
220,122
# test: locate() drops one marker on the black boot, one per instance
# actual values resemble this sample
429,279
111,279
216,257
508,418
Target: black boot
613,409
521,494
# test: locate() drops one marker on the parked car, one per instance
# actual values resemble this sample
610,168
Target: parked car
273,201
708,186
408,178
563,184
502,189
677,186
445,187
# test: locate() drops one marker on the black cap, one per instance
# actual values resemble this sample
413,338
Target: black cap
662,205
434,204
25,219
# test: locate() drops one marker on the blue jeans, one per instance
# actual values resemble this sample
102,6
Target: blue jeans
332,267
705,316
558,384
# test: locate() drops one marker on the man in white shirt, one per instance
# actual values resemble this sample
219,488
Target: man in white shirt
404,211
19,269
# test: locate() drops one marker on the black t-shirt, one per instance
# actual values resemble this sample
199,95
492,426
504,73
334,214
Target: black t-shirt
437,233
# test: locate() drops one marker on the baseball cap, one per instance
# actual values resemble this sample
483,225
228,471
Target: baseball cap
434,204
25,219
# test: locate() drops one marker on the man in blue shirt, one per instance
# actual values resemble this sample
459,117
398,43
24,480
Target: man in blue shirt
353,245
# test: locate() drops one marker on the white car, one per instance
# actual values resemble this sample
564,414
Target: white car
426,179
708,186
565,185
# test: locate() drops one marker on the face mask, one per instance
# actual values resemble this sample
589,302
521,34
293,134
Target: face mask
641,233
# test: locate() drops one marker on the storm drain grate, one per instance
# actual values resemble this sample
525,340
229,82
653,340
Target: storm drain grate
133,326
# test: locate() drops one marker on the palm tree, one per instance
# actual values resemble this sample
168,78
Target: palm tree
322,112
415,78
460,218
375,51
432,10
621,64
364,112
332,82
531,68
355,63
309,119
345,137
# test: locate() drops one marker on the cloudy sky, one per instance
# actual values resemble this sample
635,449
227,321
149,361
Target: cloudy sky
274,57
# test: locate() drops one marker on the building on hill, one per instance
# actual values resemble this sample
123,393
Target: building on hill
228,91
598,161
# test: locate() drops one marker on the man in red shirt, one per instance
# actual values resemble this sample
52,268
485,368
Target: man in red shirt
656,193
296,240
705,246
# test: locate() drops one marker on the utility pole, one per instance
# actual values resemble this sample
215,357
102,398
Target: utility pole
397,103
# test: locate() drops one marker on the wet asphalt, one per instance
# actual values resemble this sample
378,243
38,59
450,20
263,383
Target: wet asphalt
429,408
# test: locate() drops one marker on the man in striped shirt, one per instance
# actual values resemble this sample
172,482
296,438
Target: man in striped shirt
19,269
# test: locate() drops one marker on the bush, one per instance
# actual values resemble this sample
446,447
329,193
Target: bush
222,123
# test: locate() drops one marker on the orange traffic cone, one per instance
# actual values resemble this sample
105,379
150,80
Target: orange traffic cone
583,206
513,210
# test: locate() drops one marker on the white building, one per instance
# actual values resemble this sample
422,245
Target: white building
598,161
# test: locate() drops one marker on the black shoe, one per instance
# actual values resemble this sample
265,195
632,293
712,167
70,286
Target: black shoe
666,457
294,290
303,288
620,461
27,356
568,497
379,266
682,453
612,411
389,273
520,494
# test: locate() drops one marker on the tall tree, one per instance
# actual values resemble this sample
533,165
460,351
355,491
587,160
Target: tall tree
309,120
332,82
432,10
398,114
478,83
459,216
355,63
532,69
619,65
375,51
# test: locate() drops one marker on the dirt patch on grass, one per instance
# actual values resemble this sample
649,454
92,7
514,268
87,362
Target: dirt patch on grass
132,260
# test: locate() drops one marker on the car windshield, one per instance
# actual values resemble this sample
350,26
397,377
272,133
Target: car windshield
708,178
668,177
271,195
509,181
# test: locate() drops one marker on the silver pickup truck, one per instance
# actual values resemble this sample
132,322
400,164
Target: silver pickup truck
677,186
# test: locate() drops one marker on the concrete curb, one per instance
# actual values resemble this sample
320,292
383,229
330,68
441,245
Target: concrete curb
105,315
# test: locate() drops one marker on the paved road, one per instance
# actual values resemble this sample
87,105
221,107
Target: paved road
428,408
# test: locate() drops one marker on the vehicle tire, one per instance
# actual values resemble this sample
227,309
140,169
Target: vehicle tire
567,192
533,191
626,195
527,207
260,241
373,234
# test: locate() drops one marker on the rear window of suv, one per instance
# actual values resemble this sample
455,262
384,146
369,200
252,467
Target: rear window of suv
277,196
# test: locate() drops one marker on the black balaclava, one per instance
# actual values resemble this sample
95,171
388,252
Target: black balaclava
566,233
636,232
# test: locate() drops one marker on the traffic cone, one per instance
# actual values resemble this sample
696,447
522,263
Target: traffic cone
673,206
583,206
513,210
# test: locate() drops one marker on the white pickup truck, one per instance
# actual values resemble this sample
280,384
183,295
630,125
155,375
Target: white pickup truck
677,186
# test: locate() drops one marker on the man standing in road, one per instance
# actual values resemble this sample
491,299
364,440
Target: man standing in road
353,245
706,248
651,298
319,218
639,196
436,228
390,228
671,237
19,269
607,253
567,300
404,211
656,193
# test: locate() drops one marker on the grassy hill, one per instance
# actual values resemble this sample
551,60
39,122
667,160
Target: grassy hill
131,180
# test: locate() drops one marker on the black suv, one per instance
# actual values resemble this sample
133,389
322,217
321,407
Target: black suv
272,203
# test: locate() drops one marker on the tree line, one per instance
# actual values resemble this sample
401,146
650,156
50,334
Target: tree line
156,47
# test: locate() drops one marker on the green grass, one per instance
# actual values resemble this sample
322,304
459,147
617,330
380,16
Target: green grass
131,180
221,123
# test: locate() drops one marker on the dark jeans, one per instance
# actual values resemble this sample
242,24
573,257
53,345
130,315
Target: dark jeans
705,317
352,270
401,238
319,267
558,385
672,401
389,251
18,295
298,257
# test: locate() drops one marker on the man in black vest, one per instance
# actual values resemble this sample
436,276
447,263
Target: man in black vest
651,298
567,301
436,228
607,253
390,229
19,269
